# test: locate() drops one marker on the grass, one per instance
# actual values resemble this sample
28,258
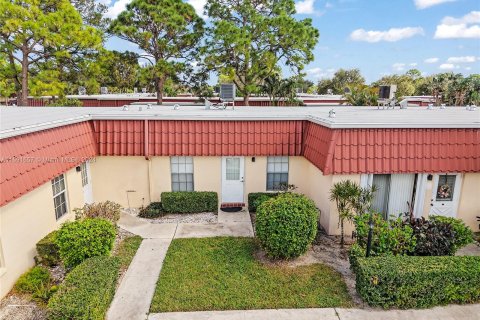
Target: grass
222,274
127,249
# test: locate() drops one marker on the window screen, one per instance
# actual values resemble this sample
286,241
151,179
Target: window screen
182,173
233,169
277,173
59,196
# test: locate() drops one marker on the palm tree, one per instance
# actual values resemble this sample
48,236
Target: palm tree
344,194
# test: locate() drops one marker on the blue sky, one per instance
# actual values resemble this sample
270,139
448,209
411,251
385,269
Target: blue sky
380,36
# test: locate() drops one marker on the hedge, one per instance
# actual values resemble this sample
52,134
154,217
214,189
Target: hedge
418,282
286,225
87,290
256,198
189,201
48,250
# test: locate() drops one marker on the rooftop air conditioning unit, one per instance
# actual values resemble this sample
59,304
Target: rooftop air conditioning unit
144,90
135,90
103,90
82,91
227,92
387,92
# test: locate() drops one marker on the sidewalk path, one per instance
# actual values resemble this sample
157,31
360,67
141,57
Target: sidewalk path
454,312
134,295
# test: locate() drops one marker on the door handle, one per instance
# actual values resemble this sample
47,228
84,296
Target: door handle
241,179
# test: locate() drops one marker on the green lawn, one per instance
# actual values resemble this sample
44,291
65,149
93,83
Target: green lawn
222,274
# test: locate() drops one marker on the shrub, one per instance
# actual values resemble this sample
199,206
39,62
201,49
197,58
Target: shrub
418,282
286,225
83,239
463,234
434,238
36,282
189,201
255,199
66,102
106,210
48,251
152,211
389,237
87,291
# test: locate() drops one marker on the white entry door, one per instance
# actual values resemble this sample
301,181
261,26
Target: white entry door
232,179
446,194
86,182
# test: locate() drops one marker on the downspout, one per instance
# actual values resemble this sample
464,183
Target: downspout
146,144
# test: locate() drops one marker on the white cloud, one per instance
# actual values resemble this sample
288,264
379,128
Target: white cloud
413,64
466,59
398,66
468,68
448,66
116,9
422,4
328,5
319,73
431,60
391,35
305,7
199,6
467,26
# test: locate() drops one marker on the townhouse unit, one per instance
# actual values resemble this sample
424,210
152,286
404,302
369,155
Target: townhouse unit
56,159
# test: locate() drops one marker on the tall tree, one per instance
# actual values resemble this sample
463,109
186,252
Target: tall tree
341,80
92,13
250,39
34,31
169,31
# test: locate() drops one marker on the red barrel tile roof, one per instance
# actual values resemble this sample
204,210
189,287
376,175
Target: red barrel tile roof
32,159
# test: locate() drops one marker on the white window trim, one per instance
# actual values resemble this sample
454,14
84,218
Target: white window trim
267,172
65,191
3,268
192,173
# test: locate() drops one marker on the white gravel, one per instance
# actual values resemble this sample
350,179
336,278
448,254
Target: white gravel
205,217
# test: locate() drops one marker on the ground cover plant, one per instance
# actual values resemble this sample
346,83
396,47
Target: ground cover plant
222,274
108,210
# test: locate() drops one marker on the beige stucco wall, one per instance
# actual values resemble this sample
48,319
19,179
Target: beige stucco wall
160,176
114,176
207,174
28,219
255,175
311,182
469,205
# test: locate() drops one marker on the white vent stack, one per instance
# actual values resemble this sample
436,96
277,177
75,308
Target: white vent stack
82,91
103,90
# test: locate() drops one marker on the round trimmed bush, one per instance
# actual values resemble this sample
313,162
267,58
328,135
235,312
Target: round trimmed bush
286,225
83,239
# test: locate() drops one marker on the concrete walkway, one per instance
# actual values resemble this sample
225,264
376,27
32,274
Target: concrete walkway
454,312
134,295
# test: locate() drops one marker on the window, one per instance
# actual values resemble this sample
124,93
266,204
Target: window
182,173
59,196
445,188
233,169
277,173
84,173
395,193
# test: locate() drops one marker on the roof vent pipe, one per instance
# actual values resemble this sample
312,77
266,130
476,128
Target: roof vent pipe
472,107
125,108
430,106
176,106
331,113
149,106
443,106
140,108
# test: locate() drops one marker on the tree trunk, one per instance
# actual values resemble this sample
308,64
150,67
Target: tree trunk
246,99
24,97
160,84
342,234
